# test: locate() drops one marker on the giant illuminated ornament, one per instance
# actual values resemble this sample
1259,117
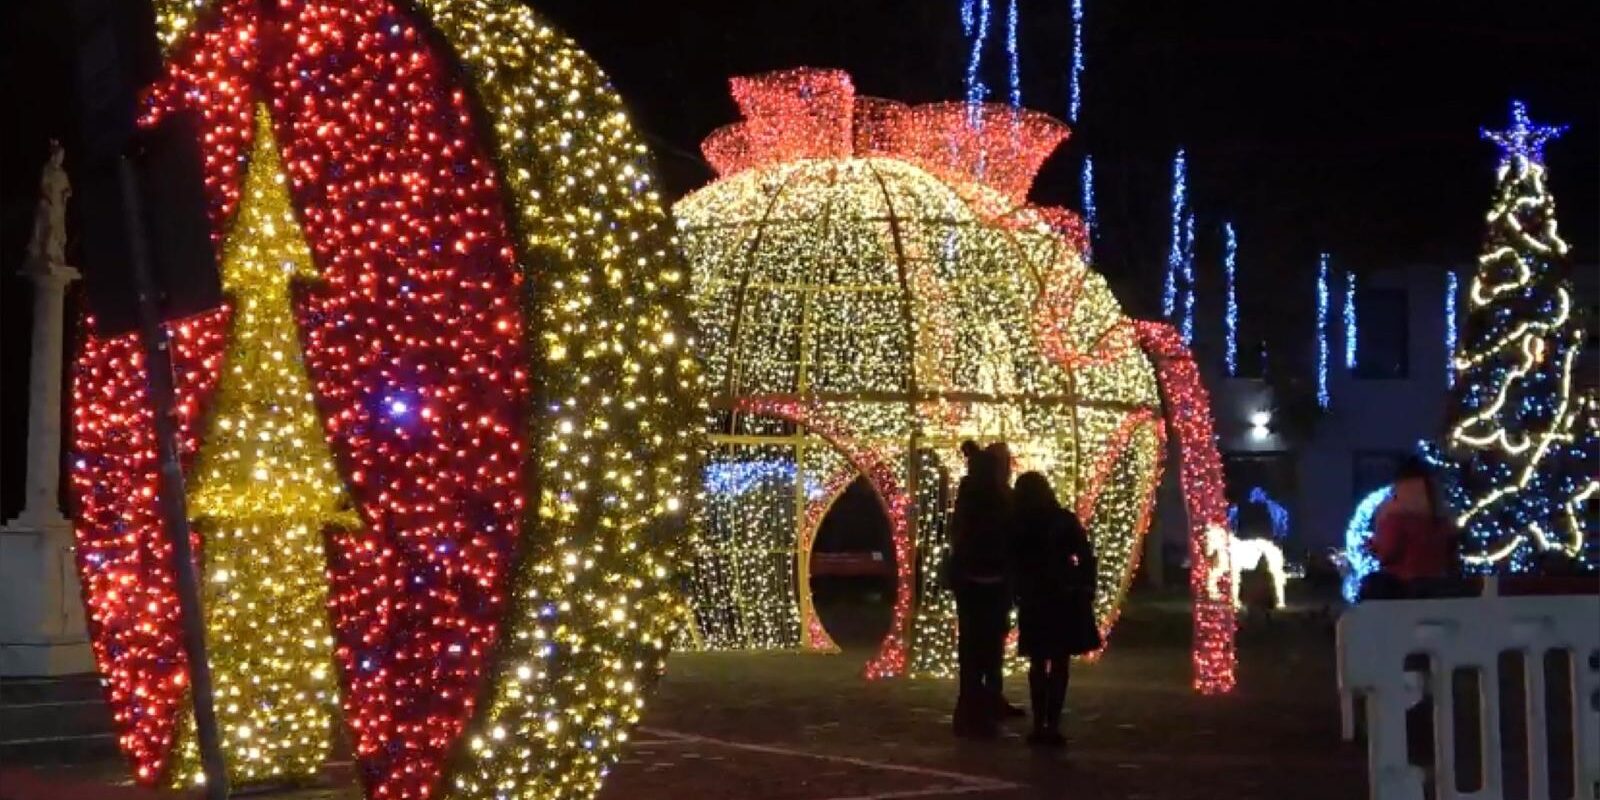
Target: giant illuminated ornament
439,439
871,288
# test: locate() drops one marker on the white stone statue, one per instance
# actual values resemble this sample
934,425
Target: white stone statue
41,610
48,244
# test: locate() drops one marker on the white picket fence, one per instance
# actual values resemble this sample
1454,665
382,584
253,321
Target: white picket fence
1469,633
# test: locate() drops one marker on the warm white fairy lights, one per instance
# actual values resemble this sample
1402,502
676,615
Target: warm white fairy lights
868,281
1520,455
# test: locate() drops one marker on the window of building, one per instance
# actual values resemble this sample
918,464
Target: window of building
1383,334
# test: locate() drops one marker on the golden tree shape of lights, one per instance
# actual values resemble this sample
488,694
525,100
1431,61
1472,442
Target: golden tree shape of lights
870,280
265,493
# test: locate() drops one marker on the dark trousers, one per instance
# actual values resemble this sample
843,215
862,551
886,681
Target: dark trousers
1047,689
982,614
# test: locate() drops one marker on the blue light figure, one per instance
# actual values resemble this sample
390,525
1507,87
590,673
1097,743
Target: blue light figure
1359,563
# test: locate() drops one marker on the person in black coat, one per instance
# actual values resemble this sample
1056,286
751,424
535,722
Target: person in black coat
978,574
1055,598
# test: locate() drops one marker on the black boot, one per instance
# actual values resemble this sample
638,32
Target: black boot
1046,680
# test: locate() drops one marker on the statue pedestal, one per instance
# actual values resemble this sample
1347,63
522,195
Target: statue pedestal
41,608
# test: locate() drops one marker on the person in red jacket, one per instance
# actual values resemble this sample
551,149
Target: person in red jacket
1414,543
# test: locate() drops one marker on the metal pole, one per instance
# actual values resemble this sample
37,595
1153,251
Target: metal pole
170,492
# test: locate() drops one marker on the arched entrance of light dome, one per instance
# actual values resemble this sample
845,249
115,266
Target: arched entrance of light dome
822,506
1114,491
878,468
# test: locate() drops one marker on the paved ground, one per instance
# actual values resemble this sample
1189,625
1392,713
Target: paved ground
799,727
806,728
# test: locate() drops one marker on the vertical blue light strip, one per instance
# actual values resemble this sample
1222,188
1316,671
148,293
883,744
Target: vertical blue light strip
1091,218
1323,399
1451,289
1011,55
1169,296
977,91
1188,278
969,16
1350,337
1075,77
1230,313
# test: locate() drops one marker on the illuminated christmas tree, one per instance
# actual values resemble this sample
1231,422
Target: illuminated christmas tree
1520,454
265,493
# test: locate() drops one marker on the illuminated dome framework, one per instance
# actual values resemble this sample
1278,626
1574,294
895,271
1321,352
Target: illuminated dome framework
871,289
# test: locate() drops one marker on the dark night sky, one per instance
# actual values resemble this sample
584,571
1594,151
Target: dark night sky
1343,126
1347,126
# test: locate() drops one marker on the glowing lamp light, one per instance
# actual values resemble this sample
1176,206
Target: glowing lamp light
1260,425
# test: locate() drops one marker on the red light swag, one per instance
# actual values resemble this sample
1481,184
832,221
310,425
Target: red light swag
1188,411
215,74
876,463
815,113
121,548
419,352
414,342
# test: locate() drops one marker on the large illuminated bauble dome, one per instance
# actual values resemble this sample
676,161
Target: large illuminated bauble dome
871,288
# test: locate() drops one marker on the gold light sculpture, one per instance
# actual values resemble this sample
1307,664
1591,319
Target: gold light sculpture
872,288
265,493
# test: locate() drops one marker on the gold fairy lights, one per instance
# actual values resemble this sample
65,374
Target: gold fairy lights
612,435
460,396
874,265
1520,453
265,493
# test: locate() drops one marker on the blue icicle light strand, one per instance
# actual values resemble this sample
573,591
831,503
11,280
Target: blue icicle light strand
1075,77
1169,296
1230,313
1323,399
1014,69
1350,321
1187,325
977,90
1452,322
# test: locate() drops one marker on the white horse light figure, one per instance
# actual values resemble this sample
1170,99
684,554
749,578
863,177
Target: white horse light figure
1245,554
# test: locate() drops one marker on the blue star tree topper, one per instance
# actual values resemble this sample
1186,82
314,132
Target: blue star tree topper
1523,138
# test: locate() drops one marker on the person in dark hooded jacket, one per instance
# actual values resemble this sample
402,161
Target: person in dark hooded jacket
978,576
1056,573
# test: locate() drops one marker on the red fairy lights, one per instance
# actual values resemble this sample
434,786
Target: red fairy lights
879,469
1189,414
428,197
121,545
